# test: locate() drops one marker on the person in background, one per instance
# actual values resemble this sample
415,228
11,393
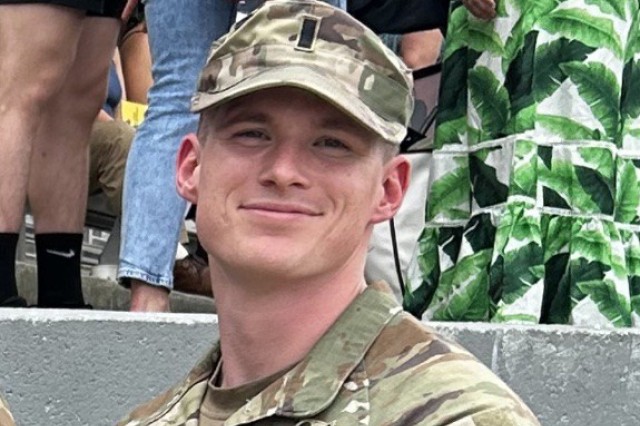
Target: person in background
111,136
136,58
53,84
533,200
109,142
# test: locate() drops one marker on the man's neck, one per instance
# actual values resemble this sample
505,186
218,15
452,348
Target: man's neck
263,332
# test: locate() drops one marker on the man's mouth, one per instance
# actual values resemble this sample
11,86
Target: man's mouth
280,208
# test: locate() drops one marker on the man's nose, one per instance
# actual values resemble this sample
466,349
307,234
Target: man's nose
284,167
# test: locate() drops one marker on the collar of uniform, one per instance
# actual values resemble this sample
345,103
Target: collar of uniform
173,404
313,384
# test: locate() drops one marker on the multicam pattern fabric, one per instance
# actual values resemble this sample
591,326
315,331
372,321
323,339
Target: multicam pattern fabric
6,419
533,207
315,46
376,366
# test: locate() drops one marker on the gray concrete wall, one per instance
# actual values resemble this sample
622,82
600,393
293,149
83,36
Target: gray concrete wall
91,368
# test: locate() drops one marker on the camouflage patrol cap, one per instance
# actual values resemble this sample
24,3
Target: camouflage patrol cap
316,47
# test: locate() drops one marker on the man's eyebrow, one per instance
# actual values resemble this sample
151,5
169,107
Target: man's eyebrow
344,124
235,114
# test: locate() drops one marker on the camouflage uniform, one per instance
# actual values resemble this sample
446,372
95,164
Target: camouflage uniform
6,419
376,365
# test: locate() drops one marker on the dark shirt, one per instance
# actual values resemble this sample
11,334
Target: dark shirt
389,16
400,16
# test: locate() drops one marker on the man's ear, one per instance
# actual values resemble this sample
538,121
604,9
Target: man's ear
188,168
395,183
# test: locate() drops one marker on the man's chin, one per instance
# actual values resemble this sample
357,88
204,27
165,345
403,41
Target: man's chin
269,265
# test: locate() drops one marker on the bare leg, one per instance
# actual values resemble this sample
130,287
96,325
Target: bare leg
33,67
59,164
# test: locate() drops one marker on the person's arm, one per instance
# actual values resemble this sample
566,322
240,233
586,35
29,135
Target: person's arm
483,9
421,49
399,17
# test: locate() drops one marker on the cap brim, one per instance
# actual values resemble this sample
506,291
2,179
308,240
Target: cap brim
330,90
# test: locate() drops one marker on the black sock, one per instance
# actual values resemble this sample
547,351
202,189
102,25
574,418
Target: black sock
59,283
8,244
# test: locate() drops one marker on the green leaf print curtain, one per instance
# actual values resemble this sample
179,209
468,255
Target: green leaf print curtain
533,203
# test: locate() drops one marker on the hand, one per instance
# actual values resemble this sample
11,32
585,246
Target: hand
483,9
128,9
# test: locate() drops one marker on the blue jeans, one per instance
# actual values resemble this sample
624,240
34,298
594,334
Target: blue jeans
180,35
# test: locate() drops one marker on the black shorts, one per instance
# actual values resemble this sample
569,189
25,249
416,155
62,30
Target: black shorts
106,8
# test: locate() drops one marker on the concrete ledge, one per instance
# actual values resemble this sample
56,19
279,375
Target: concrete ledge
91,367
108,295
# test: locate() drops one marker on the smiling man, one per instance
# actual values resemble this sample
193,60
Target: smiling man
302,110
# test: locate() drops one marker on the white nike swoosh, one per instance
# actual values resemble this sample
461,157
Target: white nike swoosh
68,254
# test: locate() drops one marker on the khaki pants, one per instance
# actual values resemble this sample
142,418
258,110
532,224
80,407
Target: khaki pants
109,147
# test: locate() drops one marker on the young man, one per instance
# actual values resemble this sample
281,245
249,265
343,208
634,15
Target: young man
302,109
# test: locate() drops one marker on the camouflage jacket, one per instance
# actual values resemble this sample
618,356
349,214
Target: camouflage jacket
6,419
376,365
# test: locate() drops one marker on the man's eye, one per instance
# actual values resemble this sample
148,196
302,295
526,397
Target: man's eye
254,134
332,143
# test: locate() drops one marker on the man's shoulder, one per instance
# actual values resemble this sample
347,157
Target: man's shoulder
405,337
407,345
419,376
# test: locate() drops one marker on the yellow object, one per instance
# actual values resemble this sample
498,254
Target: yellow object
133,112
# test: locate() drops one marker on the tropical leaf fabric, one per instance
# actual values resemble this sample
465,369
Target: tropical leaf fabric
533,203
